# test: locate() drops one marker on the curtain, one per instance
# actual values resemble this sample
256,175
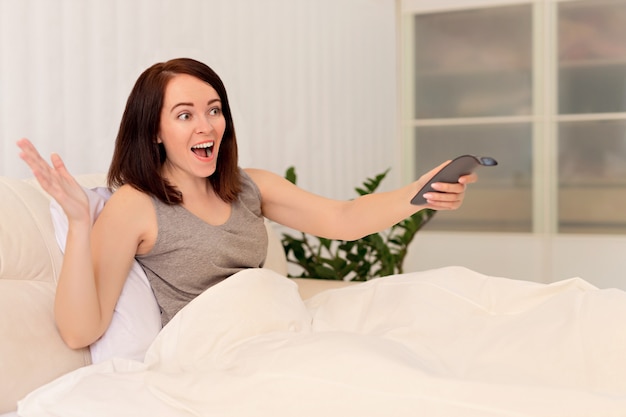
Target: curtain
312,83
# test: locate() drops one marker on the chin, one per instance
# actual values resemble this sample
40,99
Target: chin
207,172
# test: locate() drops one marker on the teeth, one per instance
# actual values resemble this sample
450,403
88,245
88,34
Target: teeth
203,145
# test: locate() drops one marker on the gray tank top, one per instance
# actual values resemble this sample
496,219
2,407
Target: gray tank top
190,255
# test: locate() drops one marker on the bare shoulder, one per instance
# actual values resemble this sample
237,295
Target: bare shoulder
266,180
131,211
259,175
127,194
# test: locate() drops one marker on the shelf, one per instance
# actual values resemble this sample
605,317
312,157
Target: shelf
474,73
471,121
617,64
592,206
489,209
591,117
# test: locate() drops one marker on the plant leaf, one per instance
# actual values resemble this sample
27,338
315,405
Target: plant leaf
290,175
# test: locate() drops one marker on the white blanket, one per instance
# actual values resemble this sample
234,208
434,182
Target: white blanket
447,342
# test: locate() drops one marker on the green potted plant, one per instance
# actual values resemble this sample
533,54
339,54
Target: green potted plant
376,255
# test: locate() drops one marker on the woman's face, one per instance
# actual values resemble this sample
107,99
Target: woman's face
191,128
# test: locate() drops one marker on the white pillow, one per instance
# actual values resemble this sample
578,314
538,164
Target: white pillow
137,318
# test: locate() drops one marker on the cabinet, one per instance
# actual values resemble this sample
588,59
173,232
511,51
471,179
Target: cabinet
538,85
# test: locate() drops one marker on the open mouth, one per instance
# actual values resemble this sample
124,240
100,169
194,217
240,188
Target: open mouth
203,150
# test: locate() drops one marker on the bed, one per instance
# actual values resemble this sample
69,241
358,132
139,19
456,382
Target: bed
448,342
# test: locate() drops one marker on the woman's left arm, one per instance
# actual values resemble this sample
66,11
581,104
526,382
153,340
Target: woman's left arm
287,204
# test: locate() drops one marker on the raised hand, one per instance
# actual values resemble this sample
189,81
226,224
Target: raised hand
56,181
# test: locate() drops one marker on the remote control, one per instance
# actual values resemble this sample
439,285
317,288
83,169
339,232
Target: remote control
462,165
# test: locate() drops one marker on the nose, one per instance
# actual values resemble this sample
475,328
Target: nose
204,125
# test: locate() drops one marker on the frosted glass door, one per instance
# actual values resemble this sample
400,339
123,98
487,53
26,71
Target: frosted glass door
592,116
472,77
473,63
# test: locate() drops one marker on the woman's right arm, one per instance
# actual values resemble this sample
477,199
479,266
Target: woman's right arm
96,263
97,258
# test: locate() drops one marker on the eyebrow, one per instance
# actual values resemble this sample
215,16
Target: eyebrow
215,100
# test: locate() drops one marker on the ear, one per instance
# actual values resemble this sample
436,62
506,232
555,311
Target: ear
158,140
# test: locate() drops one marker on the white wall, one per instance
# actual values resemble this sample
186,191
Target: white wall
598,259
312,83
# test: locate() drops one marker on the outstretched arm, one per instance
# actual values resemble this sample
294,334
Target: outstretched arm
291,206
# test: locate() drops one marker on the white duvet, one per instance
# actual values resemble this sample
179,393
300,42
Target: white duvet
446,342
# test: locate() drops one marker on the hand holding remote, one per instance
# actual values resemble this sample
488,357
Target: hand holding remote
458,167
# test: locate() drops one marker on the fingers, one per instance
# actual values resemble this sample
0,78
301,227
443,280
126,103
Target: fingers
30,155
446,196
449,196
59,166
35,162
469,179
27,147
47,175
33,159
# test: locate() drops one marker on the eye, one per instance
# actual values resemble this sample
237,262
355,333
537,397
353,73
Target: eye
184,116
215,111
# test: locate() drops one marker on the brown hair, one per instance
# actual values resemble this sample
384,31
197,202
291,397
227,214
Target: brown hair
138,158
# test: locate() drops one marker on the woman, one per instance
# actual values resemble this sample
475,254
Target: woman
182,206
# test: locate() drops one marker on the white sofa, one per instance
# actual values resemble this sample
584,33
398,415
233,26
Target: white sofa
31,350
